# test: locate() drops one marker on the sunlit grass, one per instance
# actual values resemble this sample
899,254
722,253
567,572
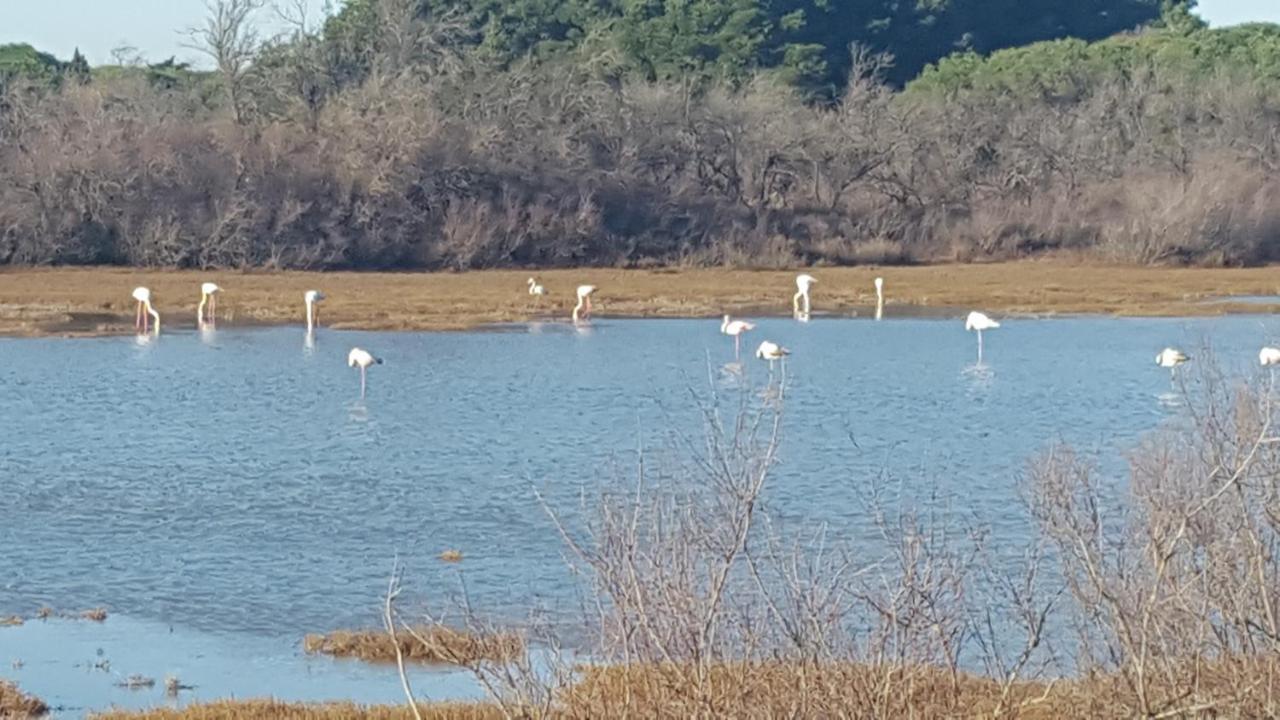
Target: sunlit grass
17,705
97,301
433,644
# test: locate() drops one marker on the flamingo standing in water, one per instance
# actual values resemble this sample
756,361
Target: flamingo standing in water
803,283
879,298
735,328
978,322
145,311
1269,356
208,294
1171,358
771,351
584,302
362,359
312,298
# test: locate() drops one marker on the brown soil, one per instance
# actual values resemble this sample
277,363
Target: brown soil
97,301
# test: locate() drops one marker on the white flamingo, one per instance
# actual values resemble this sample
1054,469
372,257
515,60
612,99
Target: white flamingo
208,294
362,359
1171,358
803,283
536,289
1269,356
313,298
145,310
978,322
879,298
771,351
583,307
735,328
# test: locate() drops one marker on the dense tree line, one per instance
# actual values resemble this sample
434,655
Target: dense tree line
457,135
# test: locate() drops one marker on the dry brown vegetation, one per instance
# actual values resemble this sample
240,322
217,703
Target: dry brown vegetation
434,644
17,705
98,301
274,710
440,161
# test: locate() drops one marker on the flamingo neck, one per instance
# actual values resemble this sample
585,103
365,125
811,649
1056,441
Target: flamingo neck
154,315
310,322
204,297
577,309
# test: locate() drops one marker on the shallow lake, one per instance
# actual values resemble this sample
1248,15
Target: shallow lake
232,488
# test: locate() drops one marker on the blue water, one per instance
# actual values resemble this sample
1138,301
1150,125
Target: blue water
234,483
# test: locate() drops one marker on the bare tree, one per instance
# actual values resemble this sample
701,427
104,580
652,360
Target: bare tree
230,39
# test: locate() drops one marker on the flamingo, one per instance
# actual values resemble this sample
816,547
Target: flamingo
312,298
1269,356
141,319
535,289
208,294
1171,358
584,302
979,322
735,328
362,359
771,351
803,283
879,298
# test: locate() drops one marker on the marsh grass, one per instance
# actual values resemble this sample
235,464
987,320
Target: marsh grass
429,644
70,301
17,705
275,710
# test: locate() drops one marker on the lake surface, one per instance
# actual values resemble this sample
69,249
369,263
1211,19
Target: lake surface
233,486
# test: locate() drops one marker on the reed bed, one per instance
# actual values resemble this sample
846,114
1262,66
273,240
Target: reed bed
17,705
429,644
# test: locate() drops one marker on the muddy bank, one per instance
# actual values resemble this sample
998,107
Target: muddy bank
76,302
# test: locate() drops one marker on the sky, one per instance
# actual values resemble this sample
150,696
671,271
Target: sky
153,26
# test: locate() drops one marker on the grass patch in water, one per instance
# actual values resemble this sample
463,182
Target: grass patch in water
432,644
17,705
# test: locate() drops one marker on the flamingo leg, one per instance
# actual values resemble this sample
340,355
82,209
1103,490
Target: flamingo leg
137,317
362,383
737,353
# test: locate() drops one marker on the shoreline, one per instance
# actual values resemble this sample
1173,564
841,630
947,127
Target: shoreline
94,302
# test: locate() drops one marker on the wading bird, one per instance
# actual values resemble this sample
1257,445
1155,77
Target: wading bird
583,308
771,351
312,298
979,322
1269,356
145,311
879,298
208,295
1171,358
362,359
735,328
535,289
803,283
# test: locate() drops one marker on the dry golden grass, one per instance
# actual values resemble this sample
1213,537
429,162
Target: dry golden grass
97,301
255,709
771,690
17,705
432,644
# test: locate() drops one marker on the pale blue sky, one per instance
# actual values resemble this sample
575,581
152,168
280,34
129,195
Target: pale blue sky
152,26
